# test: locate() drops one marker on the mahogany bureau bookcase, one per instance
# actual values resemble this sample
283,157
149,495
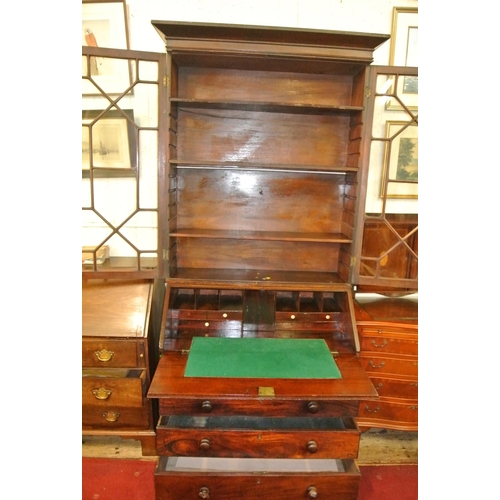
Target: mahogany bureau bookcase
263,152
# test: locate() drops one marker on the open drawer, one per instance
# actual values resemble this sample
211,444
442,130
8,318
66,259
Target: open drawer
257,437
255,479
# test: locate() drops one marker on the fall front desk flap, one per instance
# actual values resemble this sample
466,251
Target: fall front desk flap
260,358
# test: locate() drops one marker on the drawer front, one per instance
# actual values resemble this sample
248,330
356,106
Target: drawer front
128,391
396,365
107,353
380,412
250,437
255,485
270,407
373,342
113,417
396,388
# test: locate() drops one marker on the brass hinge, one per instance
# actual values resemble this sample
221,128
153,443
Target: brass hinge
353,261
166,81
368,92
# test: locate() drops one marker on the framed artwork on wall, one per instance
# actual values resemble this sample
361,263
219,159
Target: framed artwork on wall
112,149
400,172
104,25
404,52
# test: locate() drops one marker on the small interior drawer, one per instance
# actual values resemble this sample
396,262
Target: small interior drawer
257,437
255,479
118,387
112,353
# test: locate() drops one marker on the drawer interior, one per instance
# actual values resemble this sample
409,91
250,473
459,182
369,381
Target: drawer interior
251,465
256,423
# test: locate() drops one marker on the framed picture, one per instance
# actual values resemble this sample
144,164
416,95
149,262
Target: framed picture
400,172
104,25
109,143
404,52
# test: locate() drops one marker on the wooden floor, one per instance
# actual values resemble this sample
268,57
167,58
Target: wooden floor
377,447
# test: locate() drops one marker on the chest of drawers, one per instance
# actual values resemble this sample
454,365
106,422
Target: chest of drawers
119,345
388,331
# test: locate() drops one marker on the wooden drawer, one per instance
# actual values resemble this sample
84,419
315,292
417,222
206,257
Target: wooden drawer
389,364
255,479
381,341
119,387
251,437
113,417
112,353
379,413
270,407
396,387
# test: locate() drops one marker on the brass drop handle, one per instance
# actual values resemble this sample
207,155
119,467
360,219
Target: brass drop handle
367,408
312,492
312,446
379,366
111,416
205,445
204,492
101,393
313,407
381,345
104,355
206,407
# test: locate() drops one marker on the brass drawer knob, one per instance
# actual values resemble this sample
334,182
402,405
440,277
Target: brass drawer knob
205,444
206,407
104,355
204,492
111,416
312,446
313,407
101,393
312,492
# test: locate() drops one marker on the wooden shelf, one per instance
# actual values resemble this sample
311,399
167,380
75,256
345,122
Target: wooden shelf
272,107
239,165
260,235
254,279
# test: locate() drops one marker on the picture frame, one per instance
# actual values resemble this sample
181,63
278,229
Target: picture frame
114,143
400,168
104,25
404,52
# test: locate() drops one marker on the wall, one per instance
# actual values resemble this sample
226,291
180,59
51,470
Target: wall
370,16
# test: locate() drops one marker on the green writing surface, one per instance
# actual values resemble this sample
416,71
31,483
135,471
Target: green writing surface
260,358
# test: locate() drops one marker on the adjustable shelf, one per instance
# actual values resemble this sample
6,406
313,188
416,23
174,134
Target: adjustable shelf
270,107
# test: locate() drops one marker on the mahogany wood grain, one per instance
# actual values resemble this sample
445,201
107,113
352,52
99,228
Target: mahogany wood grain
266,86
169,382
255,437
171,485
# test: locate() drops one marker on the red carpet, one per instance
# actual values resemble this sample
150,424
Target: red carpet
124,479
